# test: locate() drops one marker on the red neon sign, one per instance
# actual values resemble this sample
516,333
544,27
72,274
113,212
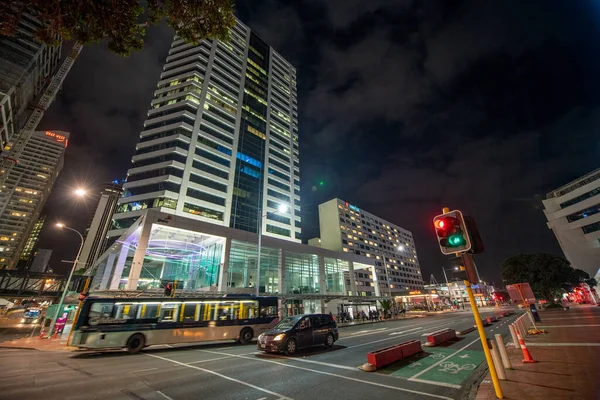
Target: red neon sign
59,138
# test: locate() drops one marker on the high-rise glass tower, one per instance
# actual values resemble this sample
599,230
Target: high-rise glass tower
220,143
26,189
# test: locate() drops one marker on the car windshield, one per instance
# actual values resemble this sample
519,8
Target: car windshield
287,323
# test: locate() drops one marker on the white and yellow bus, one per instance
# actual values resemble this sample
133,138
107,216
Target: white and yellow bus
140,322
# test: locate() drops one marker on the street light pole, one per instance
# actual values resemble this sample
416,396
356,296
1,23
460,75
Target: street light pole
66,288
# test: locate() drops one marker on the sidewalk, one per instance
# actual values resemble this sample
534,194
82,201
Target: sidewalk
35,343
568,359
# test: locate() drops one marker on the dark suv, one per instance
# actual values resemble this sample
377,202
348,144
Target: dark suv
299,331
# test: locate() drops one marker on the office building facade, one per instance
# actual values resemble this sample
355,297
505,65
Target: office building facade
25,191
220,143
205,257
32,241
96,233
26,66
573,213
347,228
41,258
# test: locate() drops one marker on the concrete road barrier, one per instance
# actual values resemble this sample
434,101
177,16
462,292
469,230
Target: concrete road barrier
389,355
440,337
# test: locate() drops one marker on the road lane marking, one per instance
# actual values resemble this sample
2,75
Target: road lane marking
562,344
405,333
442,360
142,370
450,385
568,326
311,362
343,377
220,375
546,318
229,355
164,395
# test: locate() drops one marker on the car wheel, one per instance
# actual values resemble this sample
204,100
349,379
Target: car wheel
290,347
246,336
329,340
136,343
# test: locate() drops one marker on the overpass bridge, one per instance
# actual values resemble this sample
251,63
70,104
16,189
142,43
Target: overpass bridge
39,285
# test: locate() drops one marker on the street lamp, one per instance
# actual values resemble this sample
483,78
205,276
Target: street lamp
281,209
66,288
80,192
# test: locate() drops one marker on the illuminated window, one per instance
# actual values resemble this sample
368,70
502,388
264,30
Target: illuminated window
345,249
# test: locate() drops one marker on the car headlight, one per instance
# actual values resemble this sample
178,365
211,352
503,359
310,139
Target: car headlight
279,337
22,320
35,321
261,336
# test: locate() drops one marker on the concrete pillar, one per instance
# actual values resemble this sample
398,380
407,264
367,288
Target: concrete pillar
352,279
376,281
222,285
322,285
115,277
138,257
281,285
108,267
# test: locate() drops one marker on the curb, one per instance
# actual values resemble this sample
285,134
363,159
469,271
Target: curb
468,330
377,322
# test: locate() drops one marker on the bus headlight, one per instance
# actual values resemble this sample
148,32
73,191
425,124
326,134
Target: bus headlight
279,337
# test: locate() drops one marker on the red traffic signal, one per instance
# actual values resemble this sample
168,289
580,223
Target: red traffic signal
452,233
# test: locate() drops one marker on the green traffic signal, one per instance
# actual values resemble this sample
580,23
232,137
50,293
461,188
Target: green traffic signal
456,240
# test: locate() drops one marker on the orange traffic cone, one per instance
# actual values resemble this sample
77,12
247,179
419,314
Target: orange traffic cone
527,358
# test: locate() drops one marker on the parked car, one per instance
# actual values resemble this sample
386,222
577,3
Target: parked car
298,332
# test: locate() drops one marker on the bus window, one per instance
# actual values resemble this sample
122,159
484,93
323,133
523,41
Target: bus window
268,311
248,309
189,312
99,311
168,312
148,310
125,311
228,310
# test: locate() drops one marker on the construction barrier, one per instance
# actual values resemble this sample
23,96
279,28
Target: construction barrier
389,355
442,336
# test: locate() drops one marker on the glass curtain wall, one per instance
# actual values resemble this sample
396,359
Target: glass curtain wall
334,275
242,267
302,273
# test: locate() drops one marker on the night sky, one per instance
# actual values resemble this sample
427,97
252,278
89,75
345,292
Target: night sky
405,107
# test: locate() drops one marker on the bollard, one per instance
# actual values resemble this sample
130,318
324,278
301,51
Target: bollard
530,314
513,332
503,352
497,362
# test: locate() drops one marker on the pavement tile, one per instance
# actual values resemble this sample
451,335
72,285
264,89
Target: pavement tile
561,372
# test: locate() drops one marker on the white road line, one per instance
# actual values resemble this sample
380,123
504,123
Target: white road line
209,360
314,362
262,398
562,344
165,396
442,360
546,318
220,375
450,385
405,333
142,370
568,326
344,377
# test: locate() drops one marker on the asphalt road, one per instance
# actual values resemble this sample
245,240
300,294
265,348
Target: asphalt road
231,371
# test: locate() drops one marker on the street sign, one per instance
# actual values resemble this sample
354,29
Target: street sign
521,293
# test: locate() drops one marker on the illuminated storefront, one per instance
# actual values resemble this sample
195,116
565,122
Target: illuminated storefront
161,248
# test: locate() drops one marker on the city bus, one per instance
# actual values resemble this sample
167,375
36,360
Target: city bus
135,323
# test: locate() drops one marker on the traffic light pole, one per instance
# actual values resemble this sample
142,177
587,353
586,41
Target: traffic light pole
467,259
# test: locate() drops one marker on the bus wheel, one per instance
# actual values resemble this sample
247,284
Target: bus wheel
246,336
136,343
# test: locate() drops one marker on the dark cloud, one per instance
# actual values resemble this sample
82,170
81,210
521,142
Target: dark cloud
405,107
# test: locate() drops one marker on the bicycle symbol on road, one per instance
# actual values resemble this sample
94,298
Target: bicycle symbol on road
438,356
454,369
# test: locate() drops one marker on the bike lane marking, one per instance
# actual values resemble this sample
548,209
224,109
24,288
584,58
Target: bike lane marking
455,369
439,362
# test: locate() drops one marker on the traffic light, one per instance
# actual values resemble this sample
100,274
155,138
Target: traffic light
452,233
168,289
474,236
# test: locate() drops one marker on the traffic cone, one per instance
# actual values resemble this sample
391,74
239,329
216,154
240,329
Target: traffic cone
527,358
